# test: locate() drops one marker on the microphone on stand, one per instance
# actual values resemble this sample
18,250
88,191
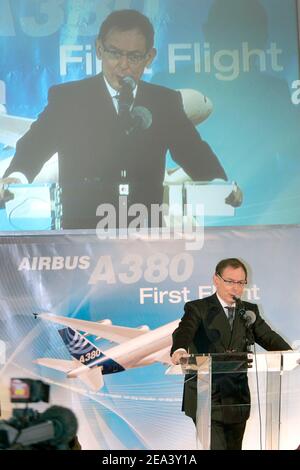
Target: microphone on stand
239,306
138,117
142,117
128,82
125,100
125,96
248,316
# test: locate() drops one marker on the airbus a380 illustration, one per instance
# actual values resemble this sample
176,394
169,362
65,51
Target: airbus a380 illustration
136,347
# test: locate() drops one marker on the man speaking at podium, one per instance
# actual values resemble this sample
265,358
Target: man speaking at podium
112,131
218,324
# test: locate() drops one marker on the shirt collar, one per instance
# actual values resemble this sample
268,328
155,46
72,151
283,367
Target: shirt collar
224,304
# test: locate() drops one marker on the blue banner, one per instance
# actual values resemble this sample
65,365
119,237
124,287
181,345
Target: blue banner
140,286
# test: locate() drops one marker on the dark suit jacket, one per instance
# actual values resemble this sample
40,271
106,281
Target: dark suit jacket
204,328
81,124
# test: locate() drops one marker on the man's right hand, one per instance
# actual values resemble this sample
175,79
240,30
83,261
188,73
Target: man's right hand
177,355
5,194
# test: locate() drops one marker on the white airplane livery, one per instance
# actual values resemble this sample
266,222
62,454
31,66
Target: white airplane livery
136,347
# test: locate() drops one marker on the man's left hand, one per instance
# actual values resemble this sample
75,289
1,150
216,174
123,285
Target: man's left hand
235,198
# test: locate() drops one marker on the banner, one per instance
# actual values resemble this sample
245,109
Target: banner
237,61
141,286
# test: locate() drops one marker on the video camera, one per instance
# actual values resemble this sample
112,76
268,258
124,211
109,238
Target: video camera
55,428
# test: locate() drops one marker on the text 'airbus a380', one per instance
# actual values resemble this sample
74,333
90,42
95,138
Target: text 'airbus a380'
136,347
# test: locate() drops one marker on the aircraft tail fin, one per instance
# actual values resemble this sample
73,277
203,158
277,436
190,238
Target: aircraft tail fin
84,351
79,346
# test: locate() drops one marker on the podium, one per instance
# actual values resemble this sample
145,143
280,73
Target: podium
274,382
207,197
33,207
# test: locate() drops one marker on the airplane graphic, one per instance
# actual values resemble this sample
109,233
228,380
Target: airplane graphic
137,347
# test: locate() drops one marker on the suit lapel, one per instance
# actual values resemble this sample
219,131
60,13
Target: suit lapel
144,96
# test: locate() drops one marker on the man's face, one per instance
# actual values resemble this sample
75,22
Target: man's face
123,53
226,290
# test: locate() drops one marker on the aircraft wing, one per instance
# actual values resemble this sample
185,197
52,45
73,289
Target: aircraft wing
162,356
12,128
117,334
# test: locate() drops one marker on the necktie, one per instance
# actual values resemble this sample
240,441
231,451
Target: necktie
230,311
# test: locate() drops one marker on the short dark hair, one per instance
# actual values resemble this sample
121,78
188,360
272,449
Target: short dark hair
233,263
126,20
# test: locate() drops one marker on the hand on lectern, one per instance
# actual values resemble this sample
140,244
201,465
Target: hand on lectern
235,198
5,194
178,355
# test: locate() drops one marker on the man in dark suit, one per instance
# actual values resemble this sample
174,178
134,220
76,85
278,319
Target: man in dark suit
100,159
210,325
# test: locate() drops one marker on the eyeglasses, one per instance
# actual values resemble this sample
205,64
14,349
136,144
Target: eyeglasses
134,58
232,283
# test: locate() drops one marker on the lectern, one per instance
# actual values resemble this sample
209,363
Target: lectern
274,382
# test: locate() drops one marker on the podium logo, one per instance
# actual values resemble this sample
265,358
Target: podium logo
2,352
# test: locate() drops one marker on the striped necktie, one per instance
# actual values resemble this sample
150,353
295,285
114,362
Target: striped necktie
230,315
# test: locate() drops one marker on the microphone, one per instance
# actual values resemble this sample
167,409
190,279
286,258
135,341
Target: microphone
137,118
125,100
128,82
239,305
248,316
142,117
